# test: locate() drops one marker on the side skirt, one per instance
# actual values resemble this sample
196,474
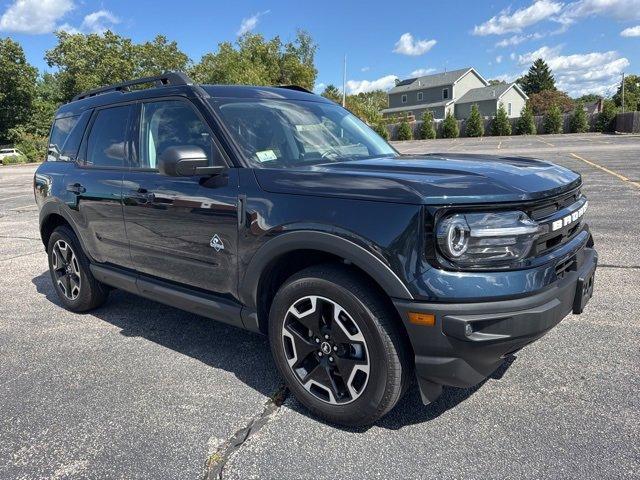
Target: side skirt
207,305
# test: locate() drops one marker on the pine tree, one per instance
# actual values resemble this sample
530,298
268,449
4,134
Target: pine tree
579,122
526,124
450,127
426,129
538,78
607,118
404,130
475,123
501,124
381,129
552,121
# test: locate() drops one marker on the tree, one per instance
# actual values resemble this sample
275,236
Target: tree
497,82
579,122
367,105
332,93
450,127
607,118
84,62
501,125
381,129
256,61
542,102
17,87
552,121
589,98
539,78
475,123
631,93
427,131
404,130
526,124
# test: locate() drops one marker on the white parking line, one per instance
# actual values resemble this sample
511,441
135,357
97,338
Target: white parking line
605,169
17,196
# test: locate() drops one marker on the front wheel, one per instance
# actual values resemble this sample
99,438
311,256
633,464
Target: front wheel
338,345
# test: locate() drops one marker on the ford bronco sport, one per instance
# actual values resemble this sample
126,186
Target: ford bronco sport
276,210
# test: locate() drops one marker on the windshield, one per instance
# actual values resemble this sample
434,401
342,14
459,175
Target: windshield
285,133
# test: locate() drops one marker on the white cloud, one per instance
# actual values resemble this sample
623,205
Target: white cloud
594,72
319,88
499,59
631,32
34,16
96,22
507,22
518,39
407,45
618,9
249,23
422,71
361,86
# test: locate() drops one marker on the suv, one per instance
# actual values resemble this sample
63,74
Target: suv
9,152
275,210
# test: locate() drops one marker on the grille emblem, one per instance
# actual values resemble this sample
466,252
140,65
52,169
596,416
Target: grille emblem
216,243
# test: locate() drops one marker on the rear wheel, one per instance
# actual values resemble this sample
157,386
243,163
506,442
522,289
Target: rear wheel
338,345
76,287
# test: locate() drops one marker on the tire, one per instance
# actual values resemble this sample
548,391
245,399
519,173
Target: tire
77,288
358,352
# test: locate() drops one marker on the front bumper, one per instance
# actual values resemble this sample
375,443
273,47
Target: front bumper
470,340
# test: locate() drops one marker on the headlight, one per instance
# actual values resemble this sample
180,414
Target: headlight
487,239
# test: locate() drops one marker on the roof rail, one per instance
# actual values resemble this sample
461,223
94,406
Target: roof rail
167,78
297,88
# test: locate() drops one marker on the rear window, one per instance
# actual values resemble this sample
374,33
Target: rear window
66,136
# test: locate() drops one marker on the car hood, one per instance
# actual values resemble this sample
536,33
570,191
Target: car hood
433,179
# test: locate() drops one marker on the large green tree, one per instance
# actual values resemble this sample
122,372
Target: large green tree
332,93
631,93
539,78
89,61
252,60
17,87
541,102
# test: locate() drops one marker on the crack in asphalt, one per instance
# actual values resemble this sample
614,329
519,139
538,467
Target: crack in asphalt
216,462
18,256
624,267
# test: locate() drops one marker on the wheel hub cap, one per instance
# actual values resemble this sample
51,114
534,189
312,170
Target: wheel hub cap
66,269
325,350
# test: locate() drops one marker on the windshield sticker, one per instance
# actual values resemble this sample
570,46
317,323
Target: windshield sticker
266,155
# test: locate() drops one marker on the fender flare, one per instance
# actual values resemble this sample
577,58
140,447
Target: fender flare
55,208
324,242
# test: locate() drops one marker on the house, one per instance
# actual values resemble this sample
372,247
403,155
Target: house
453,92
593,107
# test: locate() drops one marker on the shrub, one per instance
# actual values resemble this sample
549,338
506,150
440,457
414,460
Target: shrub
426,129
381,129
475,124
450,127
404,130
501,124
33,146
607,118
579,122
526,124
552,121
14,159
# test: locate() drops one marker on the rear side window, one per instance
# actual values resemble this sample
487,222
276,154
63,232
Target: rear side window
66,136
106,144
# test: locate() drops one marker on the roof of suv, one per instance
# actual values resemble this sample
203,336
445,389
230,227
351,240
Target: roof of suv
120,93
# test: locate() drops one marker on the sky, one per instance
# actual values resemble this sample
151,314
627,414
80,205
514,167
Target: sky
587,43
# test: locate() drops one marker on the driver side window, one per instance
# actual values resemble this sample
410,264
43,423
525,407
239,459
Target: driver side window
171,123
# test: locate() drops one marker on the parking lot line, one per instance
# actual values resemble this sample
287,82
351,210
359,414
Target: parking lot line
545,142
605,169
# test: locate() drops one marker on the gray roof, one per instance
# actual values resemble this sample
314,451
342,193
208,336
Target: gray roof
419,106
491,92
429,81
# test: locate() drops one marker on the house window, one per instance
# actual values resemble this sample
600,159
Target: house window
509,108
404,99
419,96
445,93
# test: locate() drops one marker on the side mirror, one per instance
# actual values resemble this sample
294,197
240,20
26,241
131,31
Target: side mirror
186,161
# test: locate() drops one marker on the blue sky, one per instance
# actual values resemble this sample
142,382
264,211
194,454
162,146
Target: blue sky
588,43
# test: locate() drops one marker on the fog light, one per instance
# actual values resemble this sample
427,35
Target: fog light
424,319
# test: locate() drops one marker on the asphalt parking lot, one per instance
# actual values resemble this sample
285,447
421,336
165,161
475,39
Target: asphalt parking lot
141,390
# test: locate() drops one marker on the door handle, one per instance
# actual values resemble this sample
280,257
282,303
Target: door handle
76,188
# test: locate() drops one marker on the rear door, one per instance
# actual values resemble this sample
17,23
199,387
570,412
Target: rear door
173,222
94,186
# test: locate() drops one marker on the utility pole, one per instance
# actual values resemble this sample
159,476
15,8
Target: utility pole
622,92
344,82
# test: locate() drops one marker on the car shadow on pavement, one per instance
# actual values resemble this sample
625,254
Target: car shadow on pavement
242,353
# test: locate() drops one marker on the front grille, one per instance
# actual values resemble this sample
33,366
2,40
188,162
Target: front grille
546,211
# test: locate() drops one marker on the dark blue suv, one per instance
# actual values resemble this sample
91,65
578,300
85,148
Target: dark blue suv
276,210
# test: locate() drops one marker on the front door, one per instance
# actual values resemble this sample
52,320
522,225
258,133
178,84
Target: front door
180,229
